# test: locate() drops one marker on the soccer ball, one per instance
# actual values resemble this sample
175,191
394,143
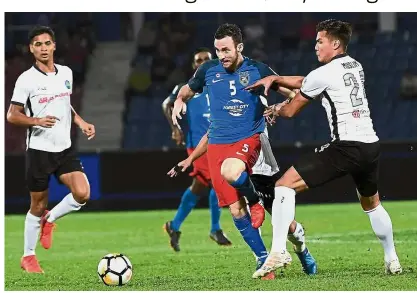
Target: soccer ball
115,269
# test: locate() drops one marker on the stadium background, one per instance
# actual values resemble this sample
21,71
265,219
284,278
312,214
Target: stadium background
125,64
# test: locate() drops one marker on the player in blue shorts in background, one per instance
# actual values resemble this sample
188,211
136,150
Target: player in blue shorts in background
197,124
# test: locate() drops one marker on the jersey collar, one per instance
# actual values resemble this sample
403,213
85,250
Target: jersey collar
44,73
338,56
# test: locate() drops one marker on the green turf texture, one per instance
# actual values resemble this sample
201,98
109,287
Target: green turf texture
339,236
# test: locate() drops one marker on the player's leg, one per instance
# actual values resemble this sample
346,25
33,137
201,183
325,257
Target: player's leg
37,181
367,190
250,234
296,235
79,186
235,169
216,233
189,200
310,171
69,172
228,196
39,201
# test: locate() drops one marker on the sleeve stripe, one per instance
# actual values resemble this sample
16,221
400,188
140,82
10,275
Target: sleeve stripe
17,103
306,96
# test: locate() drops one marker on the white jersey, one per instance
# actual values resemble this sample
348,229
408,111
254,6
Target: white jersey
43,94
266,163
340,86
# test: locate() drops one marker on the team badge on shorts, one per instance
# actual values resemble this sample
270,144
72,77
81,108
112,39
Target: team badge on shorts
67,84
244,78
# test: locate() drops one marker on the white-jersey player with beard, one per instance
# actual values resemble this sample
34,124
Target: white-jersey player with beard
354,149
41,103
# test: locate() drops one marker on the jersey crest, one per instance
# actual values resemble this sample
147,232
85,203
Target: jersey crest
244,78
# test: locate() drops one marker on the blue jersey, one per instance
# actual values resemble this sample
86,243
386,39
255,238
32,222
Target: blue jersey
198,114
235,113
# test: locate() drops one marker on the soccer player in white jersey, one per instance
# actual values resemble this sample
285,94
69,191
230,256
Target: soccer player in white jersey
41,103
354,149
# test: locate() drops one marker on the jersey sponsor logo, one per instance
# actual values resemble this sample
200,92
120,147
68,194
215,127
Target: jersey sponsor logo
360,113
67,84
216,80
49,99
236,107
244,78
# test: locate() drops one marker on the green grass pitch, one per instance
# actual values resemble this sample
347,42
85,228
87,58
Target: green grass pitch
339,236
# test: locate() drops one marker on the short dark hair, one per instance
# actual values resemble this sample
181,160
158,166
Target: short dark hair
337,29
200,50
39,30
229,30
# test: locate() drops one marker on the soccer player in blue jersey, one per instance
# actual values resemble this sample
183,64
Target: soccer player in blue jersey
237,122
197,124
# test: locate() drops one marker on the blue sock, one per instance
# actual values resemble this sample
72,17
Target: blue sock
215,211
245,187
251,236
188,202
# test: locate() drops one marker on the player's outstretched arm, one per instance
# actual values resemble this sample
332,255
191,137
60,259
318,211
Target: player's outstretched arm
177,134
17,116
180,107
285,83
290,82
200,150
88,129
290,109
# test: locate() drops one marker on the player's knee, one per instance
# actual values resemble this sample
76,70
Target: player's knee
291,179
369,202
38,207
230,172
81,194
197,187
283,182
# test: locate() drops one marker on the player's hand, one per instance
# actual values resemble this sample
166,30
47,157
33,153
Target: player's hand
178,136
88,129
266,82
181,166
269,115
47,122
179,108
274,110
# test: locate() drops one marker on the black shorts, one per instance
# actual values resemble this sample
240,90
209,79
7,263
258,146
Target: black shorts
265,185
339,158
40,165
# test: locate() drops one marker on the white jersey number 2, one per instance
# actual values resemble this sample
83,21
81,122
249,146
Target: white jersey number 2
350,78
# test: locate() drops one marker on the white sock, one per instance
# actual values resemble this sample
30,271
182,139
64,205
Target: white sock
32,228
283,213
67,205
382,226
298,238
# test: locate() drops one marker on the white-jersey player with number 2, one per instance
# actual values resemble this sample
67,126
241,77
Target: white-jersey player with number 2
354,149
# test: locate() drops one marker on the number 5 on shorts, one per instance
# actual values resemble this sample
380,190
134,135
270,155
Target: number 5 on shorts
245,148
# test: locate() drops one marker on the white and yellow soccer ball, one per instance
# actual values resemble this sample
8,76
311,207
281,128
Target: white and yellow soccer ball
115,269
